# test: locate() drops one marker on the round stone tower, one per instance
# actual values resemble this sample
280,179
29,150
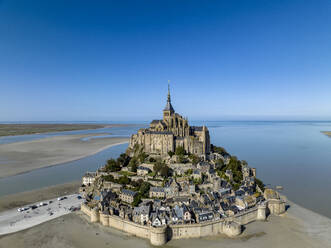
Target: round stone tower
158,235
232,229
261,212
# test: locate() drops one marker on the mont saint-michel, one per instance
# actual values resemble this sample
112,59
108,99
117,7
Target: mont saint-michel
172,183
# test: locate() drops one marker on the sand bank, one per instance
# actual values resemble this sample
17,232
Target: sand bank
32,128
296,228
18,200
25,156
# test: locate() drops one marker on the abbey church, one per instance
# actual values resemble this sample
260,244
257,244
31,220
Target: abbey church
172,131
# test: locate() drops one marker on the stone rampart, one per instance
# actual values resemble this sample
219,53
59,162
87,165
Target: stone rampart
231,226
245,217
125,225
86,210
276,206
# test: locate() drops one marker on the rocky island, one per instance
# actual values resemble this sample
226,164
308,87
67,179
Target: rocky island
171,183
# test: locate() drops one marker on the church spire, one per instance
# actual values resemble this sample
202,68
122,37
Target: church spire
168,106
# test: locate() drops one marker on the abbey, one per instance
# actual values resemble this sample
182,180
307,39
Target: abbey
172,131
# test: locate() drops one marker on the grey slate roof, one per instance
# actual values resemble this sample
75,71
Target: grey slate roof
128,192
155,121
197,128
157,189
168,107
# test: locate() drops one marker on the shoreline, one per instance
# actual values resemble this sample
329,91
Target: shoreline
75,127
69,148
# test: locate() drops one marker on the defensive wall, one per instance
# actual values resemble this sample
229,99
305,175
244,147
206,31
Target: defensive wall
230,226
160,235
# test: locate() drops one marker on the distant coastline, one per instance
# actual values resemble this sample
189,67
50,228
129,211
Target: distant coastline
327,133
38,128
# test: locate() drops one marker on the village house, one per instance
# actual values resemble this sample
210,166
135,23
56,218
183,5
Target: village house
127,195
88,178
142,171
186,214
177,214
156,192
204,215
141,214
245,202
197,174
224,191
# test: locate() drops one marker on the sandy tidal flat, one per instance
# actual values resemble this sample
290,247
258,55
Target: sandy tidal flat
327,133
28,197
20,157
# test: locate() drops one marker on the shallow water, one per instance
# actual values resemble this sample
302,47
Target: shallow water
295,155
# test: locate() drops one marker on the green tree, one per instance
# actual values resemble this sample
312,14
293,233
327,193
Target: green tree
236,186
180,151
189,172
219,163
142,156
144,189
124,180
182,159
112,165
259,183
123,159
108,178
219,150
194,159
136,200
157,166
165,171
133,164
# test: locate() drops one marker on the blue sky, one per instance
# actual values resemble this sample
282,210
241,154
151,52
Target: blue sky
111,60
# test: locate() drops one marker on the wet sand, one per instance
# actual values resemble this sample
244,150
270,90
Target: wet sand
294,229
20,157
29,197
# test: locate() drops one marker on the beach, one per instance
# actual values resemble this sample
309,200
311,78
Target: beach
20,157
294,229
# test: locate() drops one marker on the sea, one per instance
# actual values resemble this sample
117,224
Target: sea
293,154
